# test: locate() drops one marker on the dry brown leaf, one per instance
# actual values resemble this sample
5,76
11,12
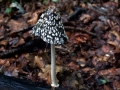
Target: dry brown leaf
1,18
110,4
115,44
87,69
42,59
110,72
59,62
4,43
27,7
81,61
22,62
106,48
39,62
106,57
90,70
74,83
15,72
85,18
34,19
71,37
20,42
26,35
73,66
116,34
12,71
27,15
45,56
68,34
66,5
116,85
45,75
2,61
46,72
78,37
9,71
29,76
30,57
2,48
7,64
118,10
16,25
13,41
91,53
107,87
114,39
39,4
33,76
2,30
72,80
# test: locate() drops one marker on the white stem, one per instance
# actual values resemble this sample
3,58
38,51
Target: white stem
53,68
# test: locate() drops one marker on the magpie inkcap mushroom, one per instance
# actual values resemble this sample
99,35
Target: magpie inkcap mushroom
50,27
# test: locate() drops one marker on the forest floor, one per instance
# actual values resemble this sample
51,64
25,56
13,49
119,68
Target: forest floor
89,60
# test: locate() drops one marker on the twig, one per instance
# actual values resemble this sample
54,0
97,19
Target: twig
27,47
79,29
9,34
77,12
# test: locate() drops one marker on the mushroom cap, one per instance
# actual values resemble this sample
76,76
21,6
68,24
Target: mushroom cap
50,28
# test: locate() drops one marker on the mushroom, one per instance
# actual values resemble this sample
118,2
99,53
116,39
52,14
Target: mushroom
50,28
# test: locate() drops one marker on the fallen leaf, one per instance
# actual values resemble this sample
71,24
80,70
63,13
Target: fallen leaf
85,18
20,42
110,4
38,61
4,43
34,19
26,35
78,38
2,31
27,15
110,72
72,80
46,72
13,41
106,48
2,61
116,85
87,69
74,83
1,18
81,61
16,25
107,87
15,72
73,66
22,61
30,57
27,7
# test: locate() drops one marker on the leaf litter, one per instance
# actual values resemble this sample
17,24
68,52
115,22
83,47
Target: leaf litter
89,60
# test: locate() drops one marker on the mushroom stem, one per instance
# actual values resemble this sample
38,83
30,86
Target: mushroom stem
53,69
